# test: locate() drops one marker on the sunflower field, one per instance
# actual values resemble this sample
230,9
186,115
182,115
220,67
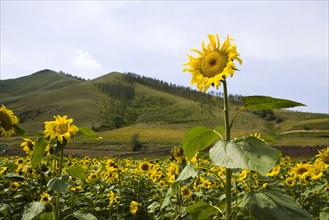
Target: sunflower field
112,188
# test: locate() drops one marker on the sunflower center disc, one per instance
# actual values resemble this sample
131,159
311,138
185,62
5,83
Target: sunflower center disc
61,129
5,121
145,167
214,63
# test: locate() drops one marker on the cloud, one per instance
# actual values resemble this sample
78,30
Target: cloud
83,60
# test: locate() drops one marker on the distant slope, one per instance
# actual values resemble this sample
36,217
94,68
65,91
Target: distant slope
117,104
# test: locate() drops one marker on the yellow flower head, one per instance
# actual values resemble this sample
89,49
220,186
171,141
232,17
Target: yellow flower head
323,156
133,207
45,198
14,186
145,167
214,63
290,181
60,128
8,121
301,170
185,192
162,183
178,154
275,171
316,171
28,146
243,174
113,198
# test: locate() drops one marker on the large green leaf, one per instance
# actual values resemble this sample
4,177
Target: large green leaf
268,103
32,210
275,205
187,172
77,171
201,210
46,216
252,154
84,215
59,184
38,151
167,199
197,139
87,132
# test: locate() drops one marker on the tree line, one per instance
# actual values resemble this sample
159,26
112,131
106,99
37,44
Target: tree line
181,91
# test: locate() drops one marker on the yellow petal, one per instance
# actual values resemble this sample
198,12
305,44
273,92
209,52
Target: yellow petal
226,43
212,41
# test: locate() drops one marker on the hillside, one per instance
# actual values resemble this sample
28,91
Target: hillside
120,105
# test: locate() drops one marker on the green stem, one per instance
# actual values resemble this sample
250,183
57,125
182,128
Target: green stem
235,115
228,185
57,209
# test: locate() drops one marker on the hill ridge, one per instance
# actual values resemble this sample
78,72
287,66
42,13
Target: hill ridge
116,100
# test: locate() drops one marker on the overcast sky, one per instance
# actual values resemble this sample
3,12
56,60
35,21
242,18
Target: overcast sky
283,44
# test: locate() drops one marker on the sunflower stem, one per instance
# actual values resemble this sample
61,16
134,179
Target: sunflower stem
228,185
57,209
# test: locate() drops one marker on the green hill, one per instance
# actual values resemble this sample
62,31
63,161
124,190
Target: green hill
120,105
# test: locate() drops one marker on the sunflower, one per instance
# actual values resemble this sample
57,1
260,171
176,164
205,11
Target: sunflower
28,145
113,198
178,154
301,170
243,174
275,171
206,183
145,167
316,172
8,121
133,207
214,63
162,183
323,156
60,128
185,192
45,198
91,177
14,186
290,181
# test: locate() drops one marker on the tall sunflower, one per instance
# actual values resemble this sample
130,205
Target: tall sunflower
60,128
8,121
214,63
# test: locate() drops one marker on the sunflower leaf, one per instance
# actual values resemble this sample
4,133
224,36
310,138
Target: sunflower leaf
274,203
197,139
58,184
251,153
77,171
38,152
32,210
81,215
268,103
87,132
201,210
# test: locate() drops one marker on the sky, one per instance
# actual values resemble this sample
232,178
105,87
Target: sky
283,44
